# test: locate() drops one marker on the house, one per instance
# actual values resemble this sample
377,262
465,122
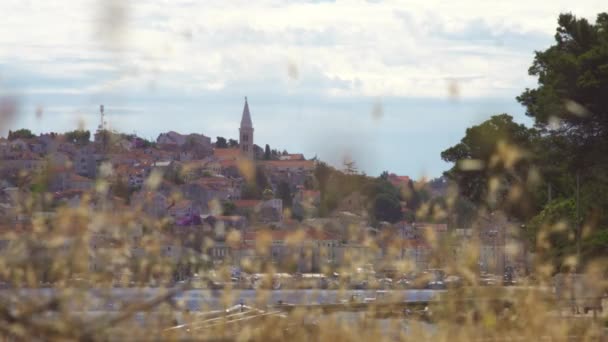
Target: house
212,166
58,159
18,145
153,203
259,210
192,169
206,189
191,146
227,153
306,203
22,161
297,156
183,209
293,172
86,162
247,208
304,250
401,182
224,222
501,244
69,198
271,210
418,253
77,182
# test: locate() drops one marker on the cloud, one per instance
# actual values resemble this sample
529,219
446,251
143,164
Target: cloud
190,62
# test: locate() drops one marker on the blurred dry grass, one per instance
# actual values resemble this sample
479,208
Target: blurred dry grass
53,293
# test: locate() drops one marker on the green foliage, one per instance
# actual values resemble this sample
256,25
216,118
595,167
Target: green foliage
322,173
20,134
255,190
175,175
267,155
499,151
78,137
385,198
572,86
557,223
284,193
387,208
221,143
121,189
267,194
233,143
228,208
573,78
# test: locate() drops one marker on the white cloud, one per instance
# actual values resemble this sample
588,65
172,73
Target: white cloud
191,61
389,48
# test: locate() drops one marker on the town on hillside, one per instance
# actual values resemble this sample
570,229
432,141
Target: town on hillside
214,202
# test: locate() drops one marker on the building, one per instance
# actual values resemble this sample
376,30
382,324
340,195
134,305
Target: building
246,133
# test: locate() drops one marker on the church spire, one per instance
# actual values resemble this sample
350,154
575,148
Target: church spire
246,119
246,133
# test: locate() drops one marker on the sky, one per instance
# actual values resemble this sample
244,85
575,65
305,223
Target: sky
388,84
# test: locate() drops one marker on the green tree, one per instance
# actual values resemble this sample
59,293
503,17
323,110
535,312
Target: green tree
267,155
267,194
570,107
492,162
387,208
233,143
573,79
385,199
322,173
254,190
284,193
20,134
174,174
221,143
78,137
228,208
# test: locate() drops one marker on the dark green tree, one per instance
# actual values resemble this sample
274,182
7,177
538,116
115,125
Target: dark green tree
221,142
233,143
228,208
387,208
20,134
267,155
491,160
570,107
322,173
284,193
78,137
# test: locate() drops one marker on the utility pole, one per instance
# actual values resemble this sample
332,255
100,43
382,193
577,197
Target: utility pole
578,223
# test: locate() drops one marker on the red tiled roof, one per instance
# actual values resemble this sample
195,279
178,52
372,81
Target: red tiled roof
67,194
232,218
292,164
78,178
227,153
311,193
295,156
398,180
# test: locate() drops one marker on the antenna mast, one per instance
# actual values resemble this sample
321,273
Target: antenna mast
101,123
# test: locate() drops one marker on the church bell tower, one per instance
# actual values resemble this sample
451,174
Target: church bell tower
246,133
